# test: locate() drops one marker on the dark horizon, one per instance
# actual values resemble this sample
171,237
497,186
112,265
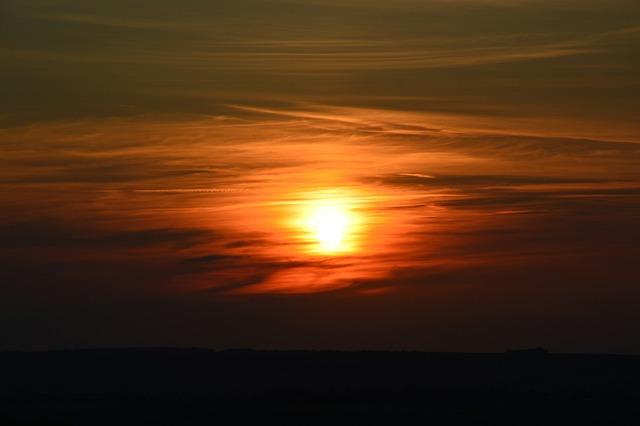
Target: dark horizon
191,386
525,351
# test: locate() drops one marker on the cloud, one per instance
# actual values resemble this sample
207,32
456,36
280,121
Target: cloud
372,57
212,206
208,37
159,159
462,229
49,233
480,180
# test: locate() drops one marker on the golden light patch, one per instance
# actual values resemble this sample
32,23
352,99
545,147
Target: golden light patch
329,224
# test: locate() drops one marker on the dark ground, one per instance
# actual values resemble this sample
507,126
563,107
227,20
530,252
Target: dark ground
197,387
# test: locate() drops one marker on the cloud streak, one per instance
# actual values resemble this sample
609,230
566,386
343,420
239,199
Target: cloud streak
164,165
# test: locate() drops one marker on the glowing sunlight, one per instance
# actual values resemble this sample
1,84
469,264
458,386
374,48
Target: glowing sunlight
329,223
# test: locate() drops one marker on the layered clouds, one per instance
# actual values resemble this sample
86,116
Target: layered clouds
158,161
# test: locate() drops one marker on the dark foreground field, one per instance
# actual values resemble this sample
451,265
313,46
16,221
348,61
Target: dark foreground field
196,386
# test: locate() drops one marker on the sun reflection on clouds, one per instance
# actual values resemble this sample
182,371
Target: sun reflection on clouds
289,207
333,238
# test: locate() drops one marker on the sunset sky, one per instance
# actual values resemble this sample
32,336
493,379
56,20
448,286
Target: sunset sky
442,175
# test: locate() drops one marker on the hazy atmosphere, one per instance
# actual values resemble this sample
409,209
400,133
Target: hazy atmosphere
440,175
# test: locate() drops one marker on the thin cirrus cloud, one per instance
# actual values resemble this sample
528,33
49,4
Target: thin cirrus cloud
136,60
209,36
160,162
182,204
334,55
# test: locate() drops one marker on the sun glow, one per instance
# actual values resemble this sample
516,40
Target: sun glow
329,224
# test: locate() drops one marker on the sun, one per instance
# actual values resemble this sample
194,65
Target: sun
329,223
326,222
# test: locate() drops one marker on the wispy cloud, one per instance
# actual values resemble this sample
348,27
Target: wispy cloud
172,157
370,58
430,193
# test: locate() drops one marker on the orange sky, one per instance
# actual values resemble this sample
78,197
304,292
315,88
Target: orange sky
439,175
